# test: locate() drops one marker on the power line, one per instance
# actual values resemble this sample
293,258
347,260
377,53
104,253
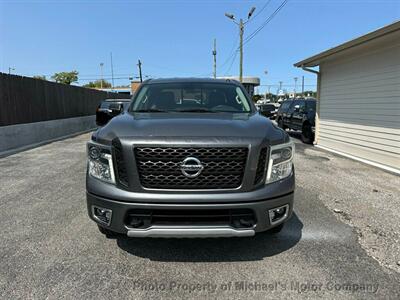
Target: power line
255,32
260,11
231,53
233,60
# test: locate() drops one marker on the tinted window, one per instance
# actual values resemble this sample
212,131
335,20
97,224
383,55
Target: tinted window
105,105
196,97
302,105
293,104
268,107
285,105
311,105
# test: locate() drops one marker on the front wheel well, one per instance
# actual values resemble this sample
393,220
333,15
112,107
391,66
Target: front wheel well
305,123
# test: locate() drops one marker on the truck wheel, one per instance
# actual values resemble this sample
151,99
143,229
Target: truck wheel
276,229
307,134
106,232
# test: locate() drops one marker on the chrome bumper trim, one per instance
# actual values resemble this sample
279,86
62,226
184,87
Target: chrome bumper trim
189,232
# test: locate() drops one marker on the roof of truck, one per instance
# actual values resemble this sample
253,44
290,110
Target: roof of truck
189,80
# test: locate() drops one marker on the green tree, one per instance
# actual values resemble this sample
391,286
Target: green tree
42,77
271,97
66,77
256,98
98,84
310,93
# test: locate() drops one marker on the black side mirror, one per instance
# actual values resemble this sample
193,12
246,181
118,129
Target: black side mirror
116,108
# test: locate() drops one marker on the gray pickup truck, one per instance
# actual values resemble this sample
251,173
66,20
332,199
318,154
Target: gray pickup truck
190,158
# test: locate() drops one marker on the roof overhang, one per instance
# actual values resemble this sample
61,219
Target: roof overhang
315,60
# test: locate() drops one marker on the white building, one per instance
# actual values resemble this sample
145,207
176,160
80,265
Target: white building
358,110
248,82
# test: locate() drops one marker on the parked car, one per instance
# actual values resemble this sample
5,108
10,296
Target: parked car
298,114
109,108
167,167
268,110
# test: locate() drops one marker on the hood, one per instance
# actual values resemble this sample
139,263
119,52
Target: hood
193,125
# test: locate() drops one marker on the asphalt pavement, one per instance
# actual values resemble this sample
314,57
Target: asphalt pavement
50,249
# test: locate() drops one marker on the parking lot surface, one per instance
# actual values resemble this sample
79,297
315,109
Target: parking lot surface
50,249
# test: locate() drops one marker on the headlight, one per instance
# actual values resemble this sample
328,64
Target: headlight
280,162
100,164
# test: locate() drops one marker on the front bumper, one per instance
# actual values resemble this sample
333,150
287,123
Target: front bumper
120,210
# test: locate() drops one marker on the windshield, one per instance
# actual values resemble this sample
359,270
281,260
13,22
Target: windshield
191,97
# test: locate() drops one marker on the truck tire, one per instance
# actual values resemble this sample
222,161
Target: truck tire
276,229
280,124
307,134
106,232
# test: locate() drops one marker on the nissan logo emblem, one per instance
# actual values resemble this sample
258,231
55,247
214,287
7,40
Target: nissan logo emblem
191,167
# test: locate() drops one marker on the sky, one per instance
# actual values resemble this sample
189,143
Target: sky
174,38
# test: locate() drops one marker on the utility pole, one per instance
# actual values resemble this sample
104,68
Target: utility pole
280,85
241,31
112,72
140,70
295,86
10,69
302,86
101,72
214,53
266,73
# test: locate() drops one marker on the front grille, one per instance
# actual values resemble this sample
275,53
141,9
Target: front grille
160,167
262,160
144,218
122,174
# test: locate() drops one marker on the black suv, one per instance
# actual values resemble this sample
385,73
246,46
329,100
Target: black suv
298,114
268,110
110,108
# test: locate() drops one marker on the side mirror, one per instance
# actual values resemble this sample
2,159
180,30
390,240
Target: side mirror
116,108
296,108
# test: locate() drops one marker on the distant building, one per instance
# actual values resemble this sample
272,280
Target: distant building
358,107
119,90
249,83
134,86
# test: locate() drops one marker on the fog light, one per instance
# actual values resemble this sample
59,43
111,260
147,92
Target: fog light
278,214
102,215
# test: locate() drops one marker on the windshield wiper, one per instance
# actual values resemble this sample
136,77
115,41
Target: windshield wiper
148,110
206,110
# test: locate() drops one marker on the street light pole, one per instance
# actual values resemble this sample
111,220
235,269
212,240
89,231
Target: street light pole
10,69
241,31
295,86
215,58
101,72
266,74
112,72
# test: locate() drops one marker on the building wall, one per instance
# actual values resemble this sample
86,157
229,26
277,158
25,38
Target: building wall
359,109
